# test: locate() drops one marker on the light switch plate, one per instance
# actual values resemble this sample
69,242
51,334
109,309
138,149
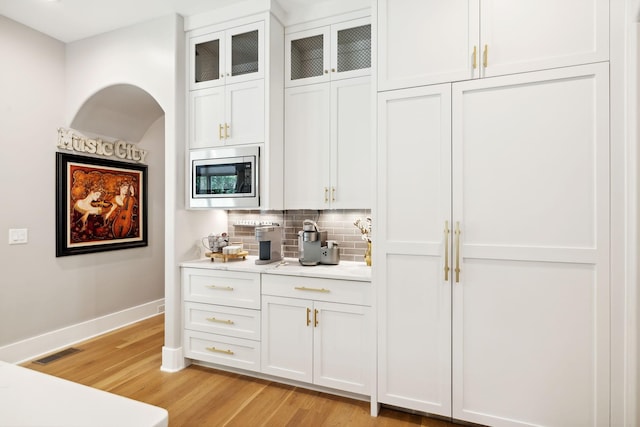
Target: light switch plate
18,236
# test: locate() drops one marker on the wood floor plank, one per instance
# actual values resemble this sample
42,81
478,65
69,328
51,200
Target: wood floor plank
127,362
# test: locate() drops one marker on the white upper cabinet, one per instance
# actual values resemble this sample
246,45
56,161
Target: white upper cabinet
429,41
425,41
225,57
328,145
327,53
227,115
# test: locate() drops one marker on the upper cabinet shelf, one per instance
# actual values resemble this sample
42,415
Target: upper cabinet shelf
328,53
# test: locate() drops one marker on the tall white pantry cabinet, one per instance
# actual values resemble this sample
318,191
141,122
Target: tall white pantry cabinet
492,238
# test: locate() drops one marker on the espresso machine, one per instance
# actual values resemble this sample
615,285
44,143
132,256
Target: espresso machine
269,238
313,248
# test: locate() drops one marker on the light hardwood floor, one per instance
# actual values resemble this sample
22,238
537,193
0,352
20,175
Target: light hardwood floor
127,362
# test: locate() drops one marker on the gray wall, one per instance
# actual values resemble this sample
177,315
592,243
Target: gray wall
40,293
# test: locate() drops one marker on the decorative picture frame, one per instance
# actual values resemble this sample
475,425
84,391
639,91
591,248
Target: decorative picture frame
101,205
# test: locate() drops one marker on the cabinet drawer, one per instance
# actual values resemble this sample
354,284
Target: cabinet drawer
222,350
331,290
233,288
223,320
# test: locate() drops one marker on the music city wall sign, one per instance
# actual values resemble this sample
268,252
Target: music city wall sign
68,140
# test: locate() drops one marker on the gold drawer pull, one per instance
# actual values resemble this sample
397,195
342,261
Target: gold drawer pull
213,319
304,288
217,350
220,288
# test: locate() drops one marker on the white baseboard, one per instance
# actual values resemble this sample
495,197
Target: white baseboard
172,360
50,342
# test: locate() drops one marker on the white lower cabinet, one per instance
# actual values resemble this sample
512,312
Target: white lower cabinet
318,331
222,317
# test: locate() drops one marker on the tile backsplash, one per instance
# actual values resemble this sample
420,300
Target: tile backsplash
337,223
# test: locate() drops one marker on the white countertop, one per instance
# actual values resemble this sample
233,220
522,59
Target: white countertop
32,399
346,270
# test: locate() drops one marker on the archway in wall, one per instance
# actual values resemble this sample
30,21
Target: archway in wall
120,111
129,113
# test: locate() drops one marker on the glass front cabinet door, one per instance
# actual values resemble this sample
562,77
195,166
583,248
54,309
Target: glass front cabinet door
226,57
328,53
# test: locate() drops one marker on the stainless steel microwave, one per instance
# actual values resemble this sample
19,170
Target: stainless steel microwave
225,177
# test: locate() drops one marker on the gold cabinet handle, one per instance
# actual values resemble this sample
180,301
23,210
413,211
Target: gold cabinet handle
485,56
475,57
326,71
226,131
333,194
308,316
304,288
326,194
446,251
220,288
333,70
457,270
218,350
213,319
220,136
315,318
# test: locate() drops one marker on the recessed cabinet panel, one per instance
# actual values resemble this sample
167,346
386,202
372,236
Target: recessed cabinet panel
425,41
341,334
414,368
206,115
552,153
306,154
536,35
533,327
288,338
417,163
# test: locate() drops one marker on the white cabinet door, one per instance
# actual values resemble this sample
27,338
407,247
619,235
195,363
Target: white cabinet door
287,338
351,49
244,53
206,59
306,154
351,144
426,41
207,117
531,196
307,57
535,35
342,347
244,110
414,204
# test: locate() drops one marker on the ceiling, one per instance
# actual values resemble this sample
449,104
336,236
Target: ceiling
71,20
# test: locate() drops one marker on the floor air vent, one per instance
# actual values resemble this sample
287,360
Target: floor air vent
55,356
